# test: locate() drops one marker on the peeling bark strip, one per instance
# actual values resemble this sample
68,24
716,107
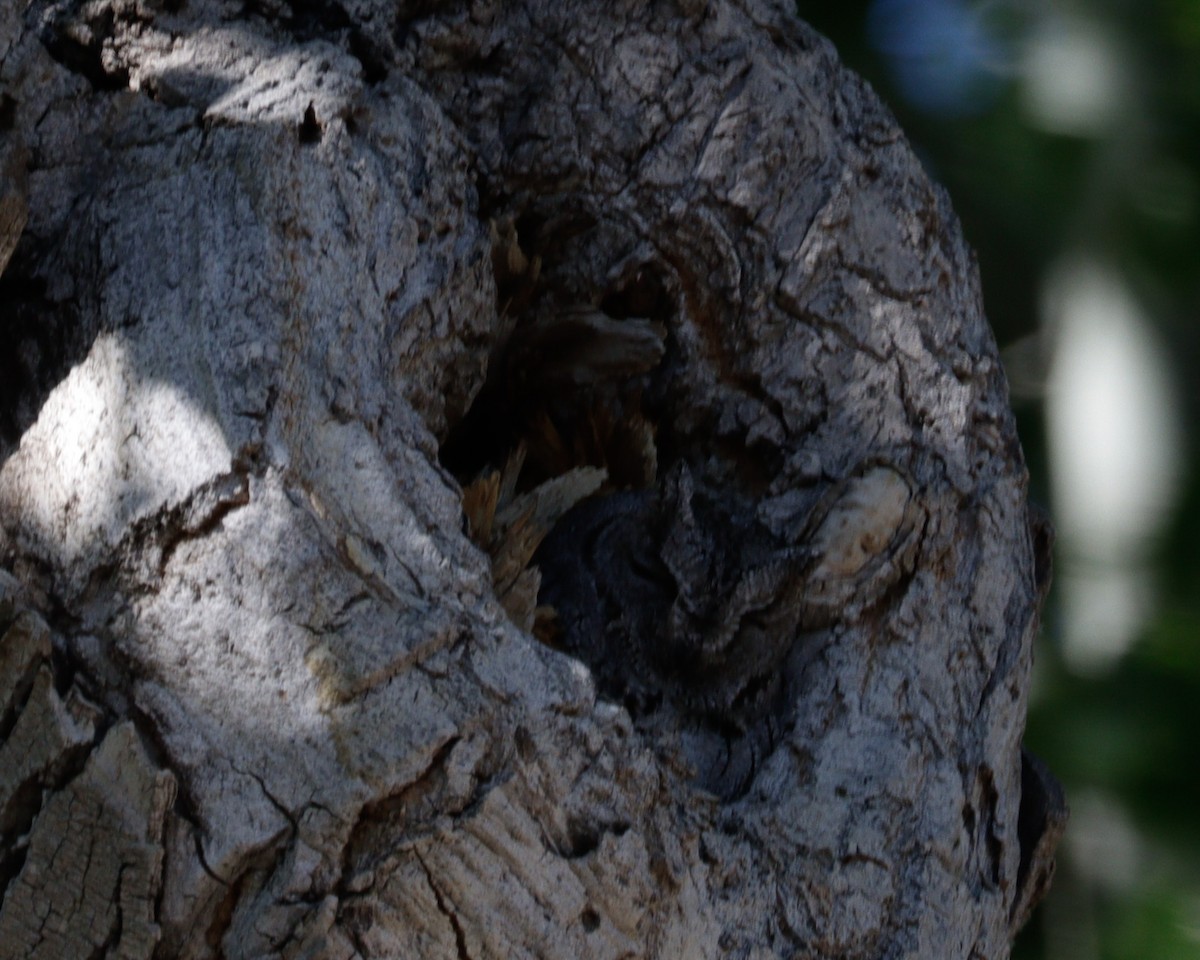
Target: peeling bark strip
353,346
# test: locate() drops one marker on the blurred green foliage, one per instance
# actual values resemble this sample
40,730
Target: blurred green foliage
1126,740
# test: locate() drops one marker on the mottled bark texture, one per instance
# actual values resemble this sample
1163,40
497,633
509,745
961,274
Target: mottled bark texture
333,331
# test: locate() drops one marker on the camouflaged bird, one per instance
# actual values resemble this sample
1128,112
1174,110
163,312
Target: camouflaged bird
681,596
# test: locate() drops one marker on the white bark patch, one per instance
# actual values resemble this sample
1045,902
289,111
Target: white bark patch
862,524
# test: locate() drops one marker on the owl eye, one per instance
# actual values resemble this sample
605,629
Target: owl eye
647,567
759,590
756,620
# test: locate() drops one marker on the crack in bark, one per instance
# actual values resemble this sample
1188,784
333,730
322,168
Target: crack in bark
460,937
201,513
279,806
359,855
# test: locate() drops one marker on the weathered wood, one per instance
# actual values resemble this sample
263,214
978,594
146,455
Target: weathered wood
271,258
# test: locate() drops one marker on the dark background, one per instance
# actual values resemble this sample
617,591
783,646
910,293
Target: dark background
1068,136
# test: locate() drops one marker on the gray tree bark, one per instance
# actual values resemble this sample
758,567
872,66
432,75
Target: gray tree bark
704,632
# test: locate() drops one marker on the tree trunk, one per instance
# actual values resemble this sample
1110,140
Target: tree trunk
496,480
